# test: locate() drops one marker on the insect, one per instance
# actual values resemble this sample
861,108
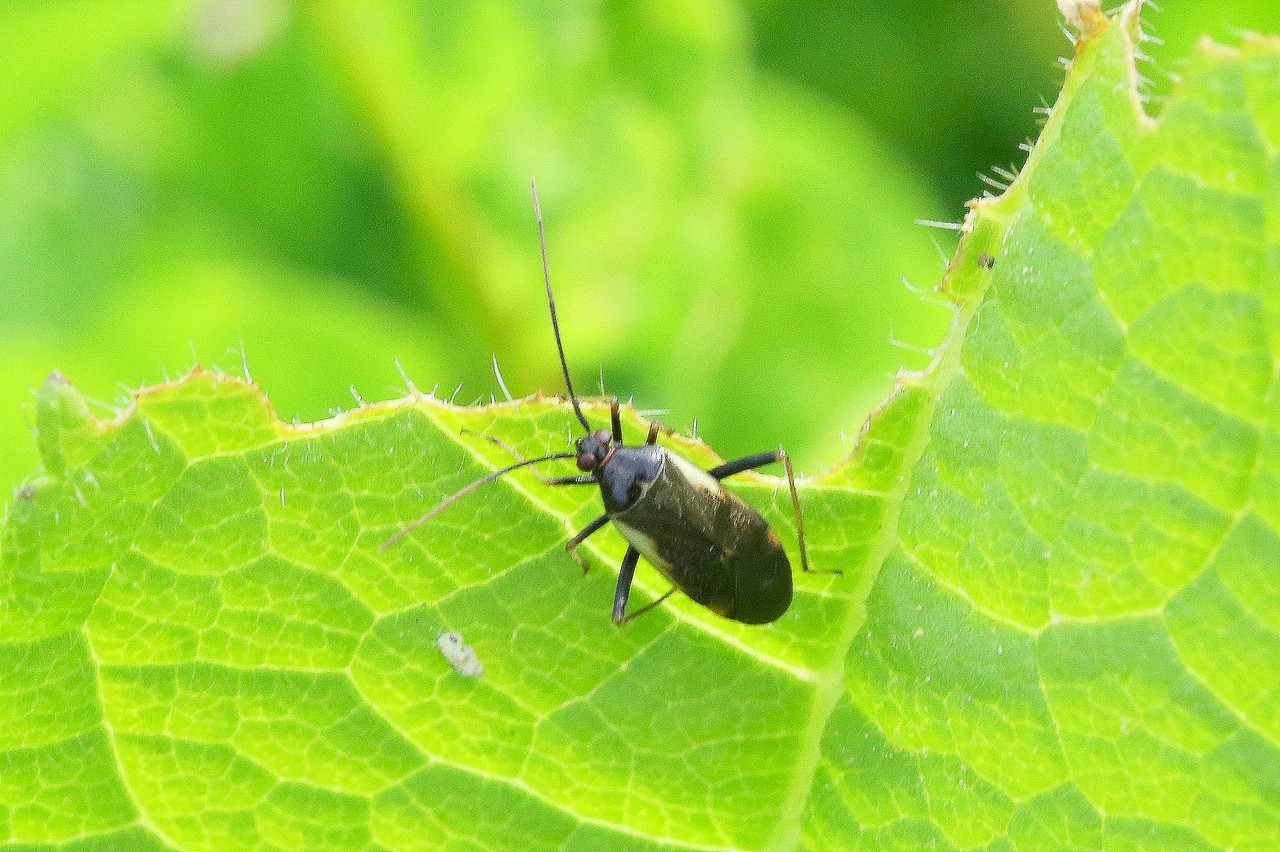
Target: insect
460,655
703,538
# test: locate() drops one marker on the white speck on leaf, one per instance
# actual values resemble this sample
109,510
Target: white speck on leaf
460,655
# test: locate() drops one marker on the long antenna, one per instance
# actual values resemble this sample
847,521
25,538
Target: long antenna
464,491
555,324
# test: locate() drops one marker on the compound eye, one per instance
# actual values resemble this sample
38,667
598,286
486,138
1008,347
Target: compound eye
602,437
587,462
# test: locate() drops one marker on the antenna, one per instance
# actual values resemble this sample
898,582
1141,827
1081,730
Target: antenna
464,491
551,301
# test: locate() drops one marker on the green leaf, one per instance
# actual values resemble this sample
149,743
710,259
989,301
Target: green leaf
1058,624
1073,641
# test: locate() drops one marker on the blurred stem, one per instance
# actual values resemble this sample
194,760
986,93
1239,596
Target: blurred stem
375,50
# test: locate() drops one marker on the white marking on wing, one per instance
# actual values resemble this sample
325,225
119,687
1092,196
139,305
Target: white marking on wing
697,477
642,543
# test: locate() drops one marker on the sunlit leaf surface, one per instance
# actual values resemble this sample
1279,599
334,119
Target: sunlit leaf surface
1074,640
1058,625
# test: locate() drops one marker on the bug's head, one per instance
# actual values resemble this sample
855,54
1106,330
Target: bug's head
594,450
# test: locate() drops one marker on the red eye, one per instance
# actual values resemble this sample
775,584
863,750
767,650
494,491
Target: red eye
587,462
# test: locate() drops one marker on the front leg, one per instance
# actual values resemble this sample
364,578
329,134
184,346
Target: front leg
588,530
615,420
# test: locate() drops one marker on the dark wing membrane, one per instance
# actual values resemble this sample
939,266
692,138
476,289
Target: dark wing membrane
711,544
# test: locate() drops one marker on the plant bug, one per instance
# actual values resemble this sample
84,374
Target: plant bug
703,538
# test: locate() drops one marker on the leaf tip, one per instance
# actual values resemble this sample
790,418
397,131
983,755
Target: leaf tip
60,409
1084,16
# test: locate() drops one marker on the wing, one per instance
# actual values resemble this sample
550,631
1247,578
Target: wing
709,543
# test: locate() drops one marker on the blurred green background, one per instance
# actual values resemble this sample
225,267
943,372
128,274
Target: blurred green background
731,192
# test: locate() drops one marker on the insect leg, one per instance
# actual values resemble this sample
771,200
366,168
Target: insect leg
760,460
729,468
642,610
795,502
654,429
616,419
626,572
586,531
